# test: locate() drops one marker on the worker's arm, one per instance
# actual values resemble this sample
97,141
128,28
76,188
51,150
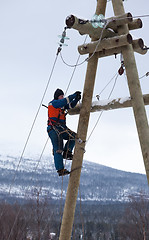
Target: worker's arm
72,104
74,101
65,102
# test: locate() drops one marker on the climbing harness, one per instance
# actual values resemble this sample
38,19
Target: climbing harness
59,130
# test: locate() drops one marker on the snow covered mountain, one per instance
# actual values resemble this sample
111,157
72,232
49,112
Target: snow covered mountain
19,178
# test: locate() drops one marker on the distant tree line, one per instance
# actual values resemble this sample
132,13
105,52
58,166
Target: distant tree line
40,219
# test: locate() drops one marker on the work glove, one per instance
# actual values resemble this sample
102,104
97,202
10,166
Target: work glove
78,95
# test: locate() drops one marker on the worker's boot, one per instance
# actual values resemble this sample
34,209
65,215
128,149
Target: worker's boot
63,172
67,155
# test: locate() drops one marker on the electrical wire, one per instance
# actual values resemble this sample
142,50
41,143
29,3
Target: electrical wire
102,110
27,140
74,69
72,75
101,34
69,65
145,75
107,84
141,16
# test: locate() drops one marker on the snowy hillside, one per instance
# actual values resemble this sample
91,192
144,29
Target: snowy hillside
20,178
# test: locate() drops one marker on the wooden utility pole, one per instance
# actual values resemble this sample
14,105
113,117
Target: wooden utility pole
74,180
135,89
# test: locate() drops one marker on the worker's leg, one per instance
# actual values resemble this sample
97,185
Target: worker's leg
70,137
57,143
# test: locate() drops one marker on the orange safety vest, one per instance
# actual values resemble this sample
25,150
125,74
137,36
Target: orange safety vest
55,114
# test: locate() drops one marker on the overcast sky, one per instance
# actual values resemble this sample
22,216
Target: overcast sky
28,44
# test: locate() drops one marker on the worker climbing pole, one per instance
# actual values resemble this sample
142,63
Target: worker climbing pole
57,129
109,36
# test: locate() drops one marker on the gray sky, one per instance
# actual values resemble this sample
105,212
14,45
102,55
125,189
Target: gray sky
28,44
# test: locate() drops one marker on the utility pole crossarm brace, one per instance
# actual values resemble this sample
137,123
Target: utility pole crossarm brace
111,104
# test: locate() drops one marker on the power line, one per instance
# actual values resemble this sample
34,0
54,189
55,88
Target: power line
70,65
74,69
34,120
107,84
145,75
102,111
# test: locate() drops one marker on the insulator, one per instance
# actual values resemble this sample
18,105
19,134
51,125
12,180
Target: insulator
63,38
63,44
98,21
121,70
